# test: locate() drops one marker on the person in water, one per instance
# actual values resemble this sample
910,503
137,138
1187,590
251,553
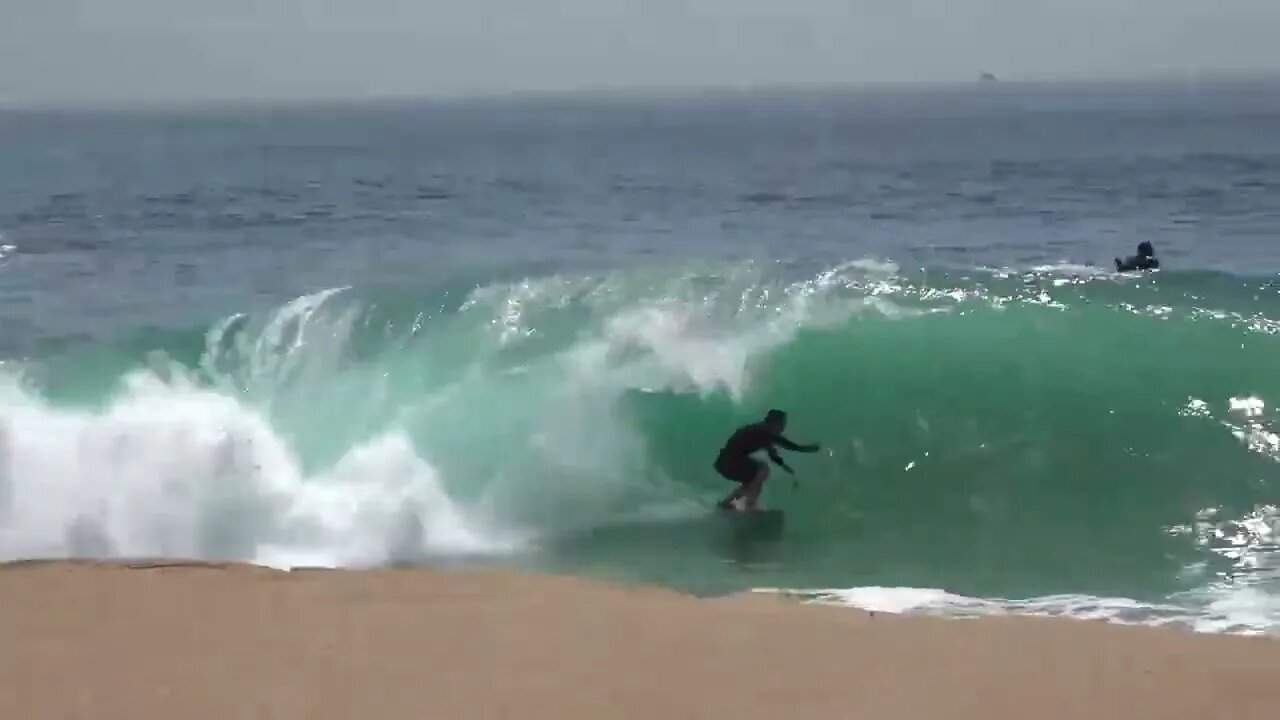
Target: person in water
735,462
1144,260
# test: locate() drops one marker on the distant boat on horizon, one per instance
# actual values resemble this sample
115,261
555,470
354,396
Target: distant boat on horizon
989,78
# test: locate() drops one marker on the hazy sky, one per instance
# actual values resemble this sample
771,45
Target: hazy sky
174,49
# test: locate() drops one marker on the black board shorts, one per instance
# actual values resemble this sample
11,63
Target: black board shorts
740,469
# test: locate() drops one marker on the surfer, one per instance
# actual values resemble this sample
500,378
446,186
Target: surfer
1144,260
735,462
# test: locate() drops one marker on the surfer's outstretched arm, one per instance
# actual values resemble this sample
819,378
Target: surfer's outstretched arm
794,447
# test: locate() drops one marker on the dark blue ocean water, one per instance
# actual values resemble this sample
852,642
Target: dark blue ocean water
519,328
119,219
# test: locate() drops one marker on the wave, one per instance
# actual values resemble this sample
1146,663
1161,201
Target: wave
1000,433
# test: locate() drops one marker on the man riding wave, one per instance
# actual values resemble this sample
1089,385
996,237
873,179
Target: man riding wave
735,462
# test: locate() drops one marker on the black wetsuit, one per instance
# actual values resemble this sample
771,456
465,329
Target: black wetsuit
1137,262
735,462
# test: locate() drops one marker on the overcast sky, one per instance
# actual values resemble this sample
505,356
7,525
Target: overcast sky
178,49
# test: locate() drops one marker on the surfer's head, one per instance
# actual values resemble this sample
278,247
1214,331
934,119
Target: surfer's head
776,420
1145,250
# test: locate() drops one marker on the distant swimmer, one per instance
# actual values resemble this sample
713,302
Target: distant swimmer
735,462
1144,260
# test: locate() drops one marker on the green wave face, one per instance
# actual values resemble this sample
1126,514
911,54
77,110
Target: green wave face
995,434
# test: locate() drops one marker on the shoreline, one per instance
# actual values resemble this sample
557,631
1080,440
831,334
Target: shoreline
161,638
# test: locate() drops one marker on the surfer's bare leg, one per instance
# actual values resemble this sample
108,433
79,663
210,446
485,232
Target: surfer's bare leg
727,502
752,489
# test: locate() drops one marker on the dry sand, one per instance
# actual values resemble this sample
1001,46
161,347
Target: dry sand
85,640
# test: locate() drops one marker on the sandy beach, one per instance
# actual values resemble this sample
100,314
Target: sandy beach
194,641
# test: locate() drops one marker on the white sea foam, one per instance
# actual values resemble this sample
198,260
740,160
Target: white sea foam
169,469
1243,610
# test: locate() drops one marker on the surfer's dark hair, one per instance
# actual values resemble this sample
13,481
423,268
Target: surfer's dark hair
776,415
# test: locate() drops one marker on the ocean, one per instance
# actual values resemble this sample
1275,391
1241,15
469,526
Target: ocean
517,330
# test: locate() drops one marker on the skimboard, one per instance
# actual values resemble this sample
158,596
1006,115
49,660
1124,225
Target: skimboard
763,521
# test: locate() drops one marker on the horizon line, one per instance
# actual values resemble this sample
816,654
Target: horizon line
643,91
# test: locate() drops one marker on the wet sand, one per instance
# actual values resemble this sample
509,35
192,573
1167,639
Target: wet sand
196,641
